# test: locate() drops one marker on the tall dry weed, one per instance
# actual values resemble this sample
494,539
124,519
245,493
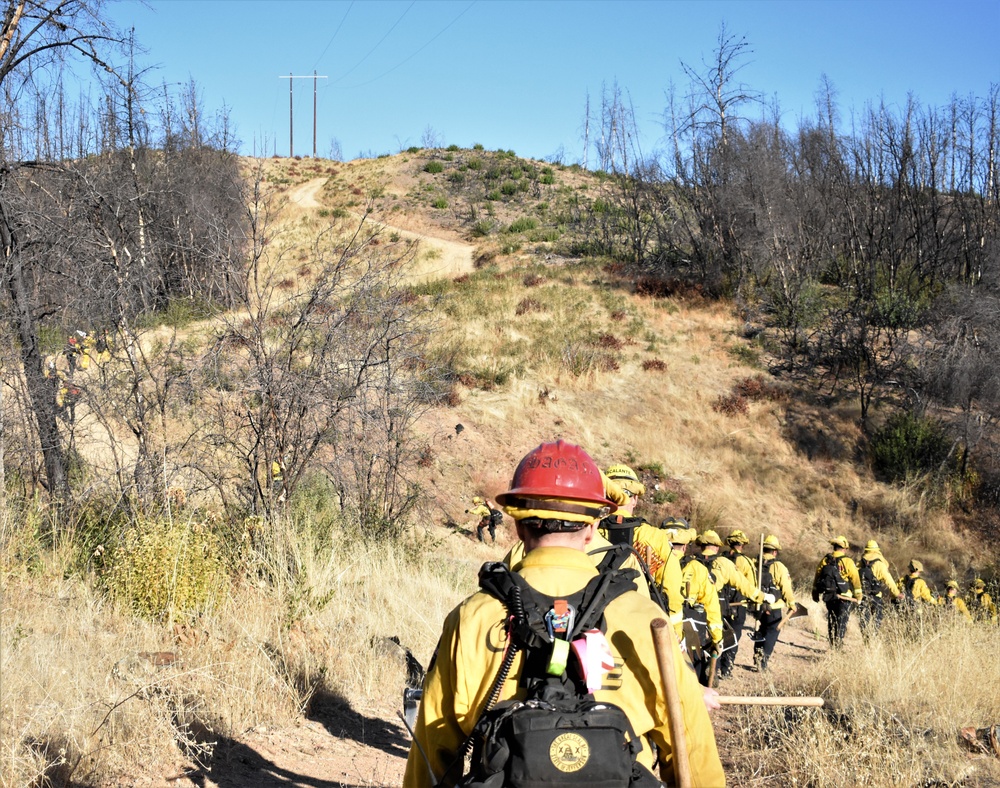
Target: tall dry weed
895,708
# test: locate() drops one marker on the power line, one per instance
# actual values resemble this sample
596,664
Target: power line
417,52
330,42
378,44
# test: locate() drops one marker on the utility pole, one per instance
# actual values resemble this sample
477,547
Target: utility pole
314,76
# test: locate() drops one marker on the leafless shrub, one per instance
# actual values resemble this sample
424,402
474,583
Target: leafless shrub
533,280
526,305
731,405
654,365
609,342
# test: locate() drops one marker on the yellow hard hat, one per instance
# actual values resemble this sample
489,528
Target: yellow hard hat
840,541
476,499
872,545
952,584
614,491
626,478
771,541
680,535
916,566
710,538
979,584
737,537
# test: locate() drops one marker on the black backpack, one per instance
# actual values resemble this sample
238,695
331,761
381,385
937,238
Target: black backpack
871,586
725,597
559,734
496,518
620,529
767,584
831,583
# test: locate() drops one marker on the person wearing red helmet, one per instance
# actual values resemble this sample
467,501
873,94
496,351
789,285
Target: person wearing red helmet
556,498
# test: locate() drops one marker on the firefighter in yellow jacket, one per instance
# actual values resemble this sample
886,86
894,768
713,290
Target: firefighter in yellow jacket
702,616
738,605
838,584
670,576
876,581
733,588
556,499
482,511
776,582
650,543
915,588
982,603
952,600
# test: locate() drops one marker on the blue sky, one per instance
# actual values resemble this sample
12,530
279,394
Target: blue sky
516,75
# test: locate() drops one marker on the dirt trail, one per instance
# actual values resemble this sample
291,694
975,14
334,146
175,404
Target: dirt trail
304,195
436,257
341,748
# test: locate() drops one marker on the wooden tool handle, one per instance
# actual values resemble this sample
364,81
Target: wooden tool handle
780,700
663,641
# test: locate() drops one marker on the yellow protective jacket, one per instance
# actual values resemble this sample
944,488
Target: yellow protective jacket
957,604
596,552
783,580
983,607
880,568
471,649
698,589
848,571
726,574
670,578
480,510
645,535
744,565
916,587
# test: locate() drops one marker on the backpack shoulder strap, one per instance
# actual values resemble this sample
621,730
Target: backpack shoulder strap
527,625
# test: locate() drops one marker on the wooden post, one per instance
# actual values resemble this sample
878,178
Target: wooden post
663,640
781,700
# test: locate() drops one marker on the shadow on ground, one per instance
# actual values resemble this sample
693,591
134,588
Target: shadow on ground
336,715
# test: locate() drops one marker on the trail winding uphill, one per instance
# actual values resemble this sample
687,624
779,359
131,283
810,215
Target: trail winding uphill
435,256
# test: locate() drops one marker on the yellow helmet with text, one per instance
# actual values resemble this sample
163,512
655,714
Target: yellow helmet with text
626,478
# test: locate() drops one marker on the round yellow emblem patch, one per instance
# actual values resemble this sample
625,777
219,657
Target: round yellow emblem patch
569,752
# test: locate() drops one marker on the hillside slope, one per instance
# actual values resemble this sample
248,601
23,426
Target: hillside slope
294,675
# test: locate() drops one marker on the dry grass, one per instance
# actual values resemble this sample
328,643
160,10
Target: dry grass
92,694
893,718
304,614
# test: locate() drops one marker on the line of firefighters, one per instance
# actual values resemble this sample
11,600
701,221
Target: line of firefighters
81,348
709,588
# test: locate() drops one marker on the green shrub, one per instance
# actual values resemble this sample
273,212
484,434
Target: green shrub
907,447
413,149
433,167
521,225
440,203
493,195
509,188
482,228
165,568
478,146
452,148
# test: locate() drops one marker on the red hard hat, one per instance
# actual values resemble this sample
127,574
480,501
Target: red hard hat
557,470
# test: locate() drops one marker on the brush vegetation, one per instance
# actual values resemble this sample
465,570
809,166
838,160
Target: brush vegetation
143,642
